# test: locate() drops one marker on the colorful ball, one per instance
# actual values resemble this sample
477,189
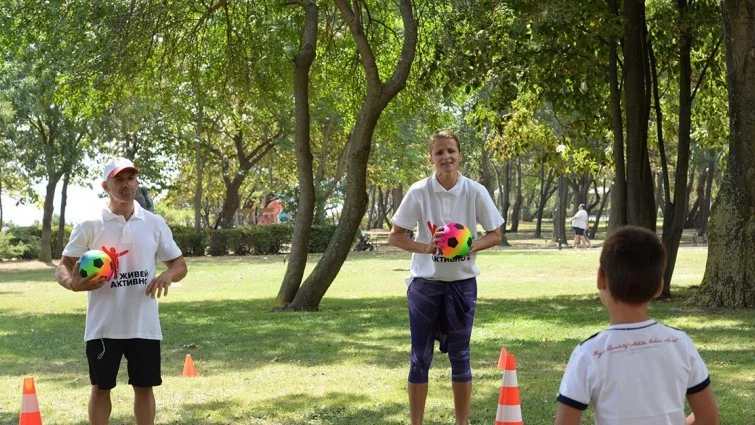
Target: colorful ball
95,264
457,240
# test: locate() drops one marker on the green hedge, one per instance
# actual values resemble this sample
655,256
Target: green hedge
191,243
320,237
29,237
254,240
10,249
263,240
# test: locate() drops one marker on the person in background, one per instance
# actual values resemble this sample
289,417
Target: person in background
580,225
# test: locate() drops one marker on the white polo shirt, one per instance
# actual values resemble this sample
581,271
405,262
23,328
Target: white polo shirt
120,309
580,219
426,204
634,374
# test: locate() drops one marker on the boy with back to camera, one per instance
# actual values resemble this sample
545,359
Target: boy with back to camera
637,371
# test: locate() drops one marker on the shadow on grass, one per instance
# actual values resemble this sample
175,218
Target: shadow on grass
372,330
9,275
242,335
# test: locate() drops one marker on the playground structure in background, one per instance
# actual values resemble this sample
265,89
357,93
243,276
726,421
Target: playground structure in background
260,216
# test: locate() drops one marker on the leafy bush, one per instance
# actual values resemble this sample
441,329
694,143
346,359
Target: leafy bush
8,250
320,237
218,242
270,239
198,243
190,243
30,237
240,240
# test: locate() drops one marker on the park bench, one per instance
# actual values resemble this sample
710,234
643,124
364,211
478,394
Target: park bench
689,234
378,236
694,234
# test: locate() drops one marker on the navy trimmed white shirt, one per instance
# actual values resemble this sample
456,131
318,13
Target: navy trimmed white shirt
632,374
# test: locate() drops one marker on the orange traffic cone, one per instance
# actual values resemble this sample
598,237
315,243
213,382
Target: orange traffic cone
189,369
509,405
29,408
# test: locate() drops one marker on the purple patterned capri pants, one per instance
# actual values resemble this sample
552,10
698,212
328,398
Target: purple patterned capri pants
443,311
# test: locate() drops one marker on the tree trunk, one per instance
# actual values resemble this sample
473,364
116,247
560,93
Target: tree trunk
397,194
676,212
60,243
382,209
702,224
599,214
247,160
658,185
371,207
310,293
503,198
517,210
559,218
231,202
729,278
45,251
694,210
545,194
378,96
199,164
528,212
486,176
619,190
506,194
649,213
635,101
1,203
305,215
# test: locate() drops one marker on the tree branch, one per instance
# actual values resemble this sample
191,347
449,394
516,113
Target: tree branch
354,20
705,68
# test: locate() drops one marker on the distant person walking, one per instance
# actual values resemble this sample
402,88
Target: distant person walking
580,225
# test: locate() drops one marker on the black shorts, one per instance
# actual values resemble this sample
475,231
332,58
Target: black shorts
142,356
579,231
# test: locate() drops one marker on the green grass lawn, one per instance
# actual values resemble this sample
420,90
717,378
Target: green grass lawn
348,363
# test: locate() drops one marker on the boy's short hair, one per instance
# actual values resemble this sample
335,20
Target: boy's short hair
634,261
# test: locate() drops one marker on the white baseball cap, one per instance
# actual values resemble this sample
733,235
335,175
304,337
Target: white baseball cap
116,165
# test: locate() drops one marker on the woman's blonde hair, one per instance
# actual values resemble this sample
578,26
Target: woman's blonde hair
444,134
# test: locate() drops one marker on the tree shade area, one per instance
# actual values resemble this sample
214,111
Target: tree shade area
641,110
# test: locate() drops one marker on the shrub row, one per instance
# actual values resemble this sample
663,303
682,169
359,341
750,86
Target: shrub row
254,240
24,242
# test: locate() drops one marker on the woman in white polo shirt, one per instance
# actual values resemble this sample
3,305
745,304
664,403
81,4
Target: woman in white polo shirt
442,293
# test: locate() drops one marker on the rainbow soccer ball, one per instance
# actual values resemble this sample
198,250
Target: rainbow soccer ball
95,264
457,240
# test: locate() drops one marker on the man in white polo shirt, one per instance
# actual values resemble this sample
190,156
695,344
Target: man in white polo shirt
122,313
